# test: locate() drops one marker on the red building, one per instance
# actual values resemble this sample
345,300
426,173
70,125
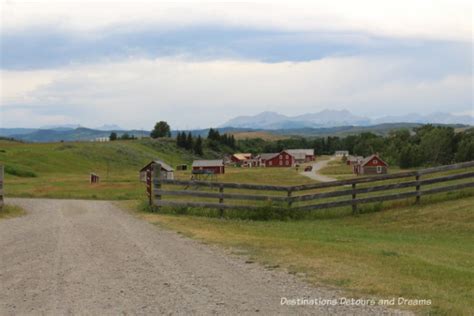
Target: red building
371,165
210,166
282,159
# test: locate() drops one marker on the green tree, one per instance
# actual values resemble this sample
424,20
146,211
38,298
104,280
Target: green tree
189,141
162,129
113,136
198,146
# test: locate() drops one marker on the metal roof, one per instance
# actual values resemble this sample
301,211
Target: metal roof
243,156
308,152
163,164
267,156
208,163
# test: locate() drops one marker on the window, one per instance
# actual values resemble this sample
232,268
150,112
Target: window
287,162
281,163
281,157
379,169
270,163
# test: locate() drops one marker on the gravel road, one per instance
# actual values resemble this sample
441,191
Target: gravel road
313,174
90,257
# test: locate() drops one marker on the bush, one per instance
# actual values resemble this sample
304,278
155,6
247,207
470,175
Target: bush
19,173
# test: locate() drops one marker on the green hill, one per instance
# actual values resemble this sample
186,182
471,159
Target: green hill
57,169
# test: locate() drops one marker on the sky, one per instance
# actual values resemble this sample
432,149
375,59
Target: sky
197,64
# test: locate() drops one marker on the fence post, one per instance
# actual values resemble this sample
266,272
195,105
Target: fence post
221,200
1,187
289,192
156,171
355,211
418,195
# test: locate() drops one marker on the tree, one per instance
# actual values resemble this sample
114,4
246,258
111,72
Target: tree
189,141
162,129
198,146
113,136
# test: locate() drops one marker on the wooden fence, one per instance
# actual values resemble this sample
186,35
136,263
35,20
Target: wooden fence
1,187
309,196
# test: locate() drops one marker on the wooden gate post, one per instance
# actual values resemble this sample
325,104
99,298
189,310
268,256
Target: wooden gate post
289,192
355,211
156,171
418,195
221,200
1,187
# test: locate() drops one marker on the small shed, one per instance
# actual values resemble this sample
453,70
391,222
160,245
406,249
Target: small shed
166,171
240,158
212,166
371,165
340,153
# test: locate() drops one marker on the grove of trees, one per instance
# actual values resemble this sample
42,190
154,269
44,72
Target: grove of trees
427,145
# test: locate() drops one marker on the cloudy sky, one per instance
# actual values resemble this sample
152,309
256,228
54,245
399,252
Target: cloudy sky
198,64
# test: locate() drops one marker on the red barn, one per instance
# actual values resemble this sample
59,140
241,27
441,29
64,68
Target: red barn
371,165
282,159
212,166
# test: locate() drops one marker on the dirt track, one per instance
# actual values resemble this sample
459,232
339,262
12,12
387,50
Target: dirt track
89,257
314,173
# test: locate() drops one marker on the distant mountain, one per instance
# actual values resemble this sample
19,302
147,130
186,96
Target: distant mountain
62,127
109,127
335,118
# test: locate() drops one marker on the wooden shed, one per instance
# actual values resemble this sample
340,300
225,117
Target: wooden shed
371,165
166,171
213,166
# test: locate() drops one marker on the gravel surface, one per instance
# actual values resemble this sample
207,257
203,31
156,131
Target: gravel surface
89,257
313,174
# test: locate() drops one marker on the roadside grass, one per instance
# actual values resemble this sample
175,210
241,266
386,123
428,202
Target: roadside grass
10,211
413,251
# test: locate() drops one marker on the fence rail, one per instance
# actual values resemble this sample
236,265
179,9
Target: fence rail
1,186
294,201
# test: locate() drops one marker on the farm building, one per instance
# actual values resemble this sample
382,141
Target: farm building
166,171
353,160
240,158
282,159
340,153
302,155
371,165
213,166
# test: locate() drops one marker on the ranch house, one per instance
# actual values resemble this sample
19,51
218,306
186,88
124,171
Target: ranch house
371,165
166,171
282,159
302,155
211,166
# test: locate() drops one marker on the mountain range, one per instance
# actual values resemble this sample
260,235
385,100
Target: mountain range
333,118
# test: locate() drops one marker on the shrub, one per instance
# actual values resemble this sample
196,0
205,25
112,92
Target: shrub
19,173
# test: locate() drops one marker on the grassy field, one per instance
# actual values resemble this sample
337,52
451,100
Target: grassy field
416,252
61,170
9,211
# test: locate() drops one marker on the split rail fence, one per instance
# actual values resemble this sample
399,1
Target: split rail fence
313,196
1,187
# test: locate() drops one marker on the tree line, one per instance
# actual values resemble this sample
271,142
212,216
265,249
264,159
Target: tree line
427,145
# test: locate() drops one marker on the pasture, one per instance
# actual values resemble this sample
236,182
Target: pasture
424,252
61,170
